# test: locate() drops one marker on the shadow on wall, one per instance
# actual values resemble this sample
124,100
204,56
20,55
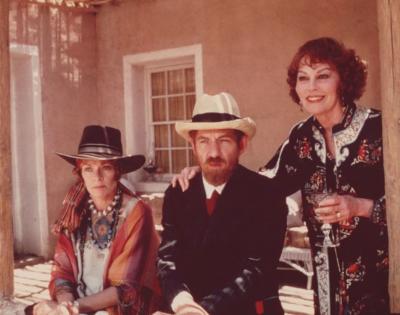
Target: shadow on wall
63,37
65,41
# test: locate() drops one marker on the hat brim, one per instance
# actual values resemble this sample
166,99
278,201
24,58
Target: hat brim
245,125
127,164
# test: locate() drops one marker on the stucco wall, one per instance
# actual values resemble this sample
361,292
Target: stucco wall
65,41
247,46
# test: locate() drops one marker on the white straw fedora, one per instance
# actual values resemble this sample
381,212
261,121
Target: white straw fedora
218,111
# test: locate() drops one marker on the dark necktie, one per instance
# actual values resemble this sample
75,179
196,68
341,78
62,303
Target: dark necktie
211,202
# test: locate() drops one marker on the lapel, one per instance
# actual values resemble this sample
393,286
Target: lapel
194,214
227,208
231,195
227,217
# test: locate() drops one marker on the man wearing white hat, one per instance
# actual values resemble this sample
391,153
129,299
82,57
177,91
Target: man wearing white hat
222,237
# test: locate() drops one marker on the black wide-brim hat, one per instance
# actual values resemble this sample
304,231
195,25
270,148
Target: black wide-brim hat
104,144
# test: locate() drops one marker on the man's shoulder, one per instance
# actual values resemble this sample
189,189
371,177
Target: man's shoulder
253,183
176,191
255,187
247,173
249,179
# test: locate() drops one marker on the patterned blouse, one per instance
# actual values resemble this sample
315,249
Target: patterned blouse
353,277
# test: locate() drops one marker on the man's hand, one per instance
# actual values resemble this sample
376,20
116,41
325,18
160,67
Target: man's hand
184,304
183,178
191,309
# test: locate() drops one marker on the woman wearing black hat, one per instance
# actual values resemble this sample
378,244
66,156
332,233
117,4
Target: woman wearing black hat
107,244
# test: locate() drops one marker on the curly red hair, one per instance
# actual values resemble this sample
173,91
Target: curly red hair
351,68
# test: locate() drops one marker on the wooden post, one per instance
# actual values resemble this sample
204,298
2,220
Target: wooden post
389,40
6,227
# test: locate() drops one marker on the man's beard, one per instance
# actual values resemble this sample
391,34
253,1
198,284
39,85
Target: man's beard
217,176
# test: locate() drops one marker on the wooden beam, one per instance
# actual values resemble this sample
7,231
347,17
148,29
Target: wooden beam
389,40
6,227
62,6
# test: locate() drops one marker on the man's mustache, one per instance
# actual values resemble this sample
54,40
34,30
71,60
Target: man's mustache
215,160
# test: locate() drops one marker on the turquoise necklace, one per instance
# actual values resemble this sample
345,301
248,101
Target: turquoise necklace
102,230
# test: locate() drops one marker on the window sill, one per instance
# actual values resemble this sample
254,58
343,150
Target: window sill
151,186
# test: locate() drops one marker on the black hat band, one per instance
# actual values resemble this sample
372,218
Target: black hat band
213,117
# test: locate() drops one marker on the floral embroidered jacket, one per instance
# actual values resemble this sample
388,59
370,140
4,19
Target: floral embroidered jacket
355,281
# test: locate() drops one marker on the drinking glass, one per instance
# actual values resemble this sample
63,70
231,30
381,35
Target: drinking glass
330,233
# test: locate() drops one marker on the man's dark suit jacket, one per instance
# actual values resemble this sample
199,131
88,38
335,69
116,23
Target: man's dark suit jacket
228,260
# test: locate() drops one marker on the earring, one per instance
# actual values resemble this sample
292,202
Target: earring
301,106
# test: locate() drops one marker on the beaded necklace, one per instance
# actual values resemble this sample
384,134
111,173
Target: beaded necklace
107,210
101,238
87,212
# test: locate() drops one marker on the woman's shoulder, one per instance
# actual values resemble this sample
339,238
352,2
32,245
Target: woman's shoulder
135,216
368,116
301,127
135,204
372,112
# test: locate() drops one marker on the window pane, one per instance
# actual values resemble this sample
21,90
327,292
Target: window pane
190,100
161,136
162,161
190,83
157,83
175,81
159,109
172,99
178,160
177,140
176,108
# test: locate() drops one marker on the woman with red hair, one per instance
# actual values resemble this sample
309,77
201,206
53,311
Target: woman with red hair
338,149
104,261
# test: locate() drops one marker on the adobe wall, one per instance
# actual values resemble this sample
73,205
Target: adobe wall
66,46
247,46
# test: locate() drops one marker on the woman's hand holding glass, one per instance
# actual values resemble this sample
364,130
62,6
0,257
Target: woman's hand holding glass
330,235
340,208
327,209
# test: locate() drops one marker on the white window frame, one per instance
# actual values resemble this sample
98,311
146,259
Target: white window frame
167,175
134,67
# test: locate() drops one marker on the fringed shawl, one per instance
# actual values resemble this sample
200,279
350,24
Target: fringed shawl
72,207
131,266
